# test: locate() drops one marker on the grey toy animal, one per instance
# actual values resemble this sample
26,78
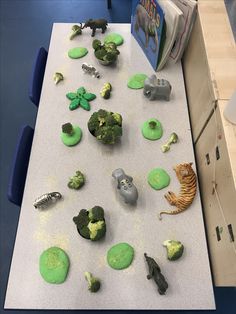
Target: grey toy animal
155,273
94,24
155,88
125,186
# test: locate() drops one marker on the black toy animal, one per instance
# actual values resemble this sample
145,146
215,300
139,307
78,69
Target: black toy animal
155,273
94,24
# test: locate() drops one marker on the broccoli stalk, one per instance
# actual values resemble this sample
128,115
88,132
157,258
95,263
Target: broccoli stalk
58,77
93,282
172,140
175,249
97,229
68,129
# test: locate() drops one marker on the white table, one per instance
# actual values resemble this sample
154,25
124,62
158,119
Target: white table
52,163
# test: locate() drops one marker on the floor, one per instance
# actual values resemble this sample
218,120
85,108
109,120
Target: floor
26,25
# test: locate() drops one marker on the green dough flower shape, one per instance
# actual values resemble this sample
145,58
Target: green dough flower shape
91,223
80,98
77,181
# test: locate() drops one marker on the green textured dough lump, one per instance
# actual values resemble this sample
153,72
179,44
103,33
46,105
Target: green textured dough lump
54,265
114,38
137,81
158,178
120,256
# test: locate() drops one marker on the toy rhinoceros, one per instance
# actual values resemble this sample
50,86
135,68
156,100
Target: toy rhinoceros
125,186
155,88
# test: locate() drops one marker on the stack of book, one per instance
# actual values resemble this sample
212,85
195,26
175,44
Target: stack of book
162,28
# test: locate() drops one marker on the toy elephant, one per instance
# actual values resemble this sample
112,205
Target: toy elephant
125,186
155,88
94,24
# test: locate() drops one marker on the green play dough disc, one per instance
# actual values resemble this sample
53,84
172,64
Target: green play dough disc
77,52
152,129
120,256
115,38
137,81
54,264
158,178
71,140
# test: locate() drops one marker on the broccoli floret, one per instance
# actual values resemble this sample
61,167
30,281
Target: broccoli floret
172,140
97,230
76,30
93,282
77,181
58,77
174,249
96,213
82,219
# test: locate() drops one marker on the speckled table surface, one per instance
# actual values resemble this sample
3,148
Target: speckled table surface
52,163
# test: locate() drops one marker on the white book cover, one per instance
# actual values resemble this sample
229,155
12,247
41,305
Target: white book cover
172,19
189,9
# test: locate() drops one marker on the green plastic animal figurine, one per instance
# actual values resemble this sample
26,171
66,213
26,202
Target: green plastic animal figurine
94,24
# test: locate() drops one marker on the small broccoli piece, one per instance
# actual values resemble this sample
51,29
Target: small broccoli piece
96,213
93,282
100,53
172,140
117,117
102,114
174,249
58,77
97,229
93,123
68,129
82,219
76,30
96,44
77,181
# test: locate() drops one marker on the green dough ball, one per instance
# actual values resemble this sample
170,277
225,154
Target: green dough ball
71,140
115,38
137,81
120,256
77,52
54,264
158,178
152,129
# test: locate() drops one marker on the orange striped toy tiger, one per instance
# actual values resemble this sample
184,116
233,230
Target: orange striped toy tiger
188,181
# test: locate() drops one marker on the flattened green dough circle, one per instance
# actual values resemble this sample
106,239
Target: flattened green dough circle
54,264
158,178
77,52
71,140
137,81
120,256
151,131
115,38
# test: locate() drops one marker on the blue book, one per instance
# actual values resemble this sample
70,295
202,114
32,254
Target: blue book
147,27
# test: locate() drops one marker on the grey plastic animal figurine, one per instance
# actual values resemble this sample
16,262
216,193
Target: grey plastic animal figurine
125,186
155,88
46,199
155,273
94,24
90,69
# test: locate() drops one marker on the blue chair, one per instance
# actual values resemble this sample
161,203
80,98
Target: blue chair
37,76
20,165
